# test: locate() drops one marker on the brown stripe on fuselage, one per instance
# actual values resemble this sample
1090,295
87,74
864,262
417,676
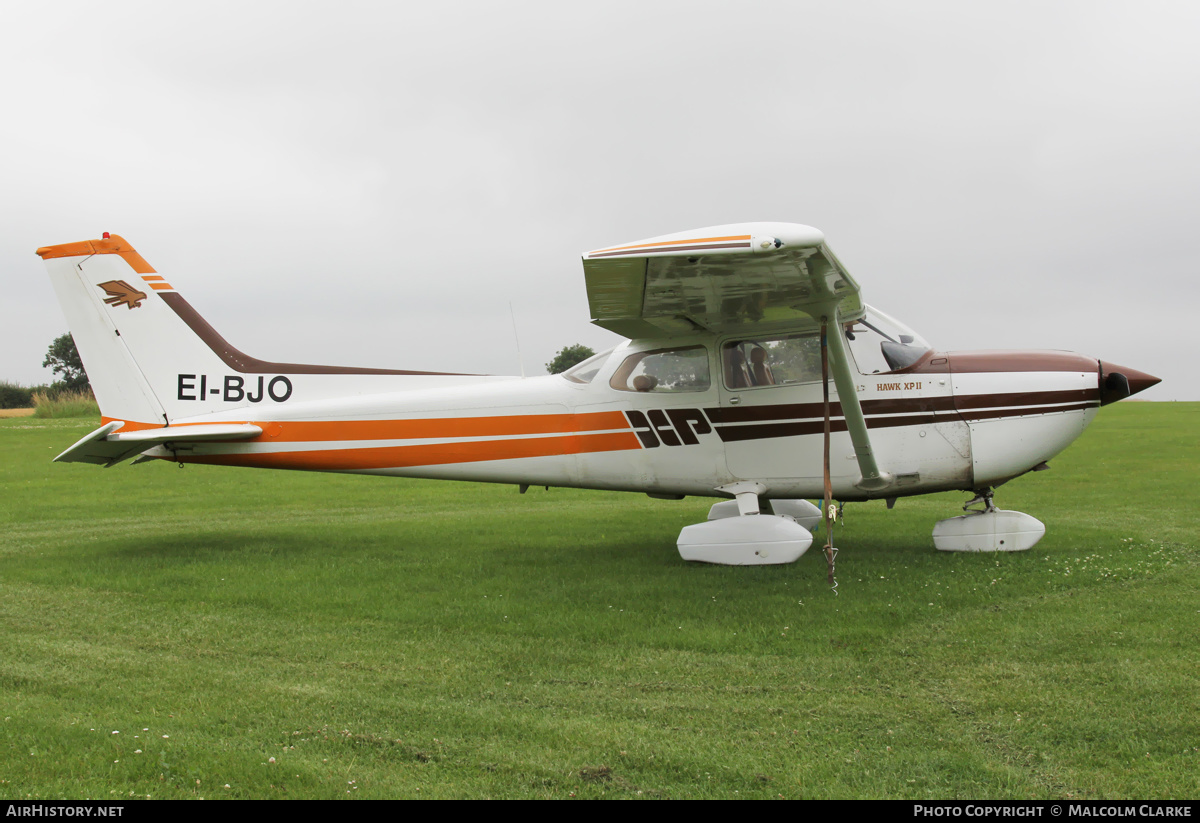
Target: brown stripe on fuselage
1028,398
899,405
763,422
932,362
935,362
763,431
1017,361
731,434
244,363
1028,411
748,414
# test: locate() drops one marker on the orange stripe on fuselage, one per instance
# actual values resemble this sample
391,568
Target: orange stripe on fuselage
325,431
439,454
299,432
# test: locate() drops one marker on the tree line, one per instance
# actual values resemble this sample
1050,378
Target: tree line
63,359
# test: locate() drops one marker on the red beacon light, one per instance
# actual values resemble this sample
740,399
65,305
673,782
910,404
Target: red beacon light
105,235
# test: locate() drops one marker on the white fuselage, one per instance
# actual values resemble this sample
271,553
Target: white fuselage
957,421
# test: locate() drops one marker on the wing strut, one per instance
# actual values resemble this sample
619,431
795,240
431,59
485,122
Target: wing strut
872,478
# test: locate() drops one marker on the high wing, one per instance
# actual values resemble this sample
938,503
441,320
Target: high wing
740,277
737,278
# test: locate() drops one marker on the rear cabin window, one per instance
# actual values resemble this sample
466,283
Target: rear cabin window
664,370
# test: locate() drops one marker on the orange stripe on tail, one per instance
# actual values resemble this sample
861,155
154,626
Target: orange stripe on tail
114,244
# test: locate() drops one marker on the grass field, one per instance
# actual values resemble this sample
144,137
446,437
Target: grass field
216,633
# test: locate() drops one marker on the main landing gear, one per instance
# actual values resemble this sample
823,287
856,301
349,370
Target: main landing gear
739,533
987,529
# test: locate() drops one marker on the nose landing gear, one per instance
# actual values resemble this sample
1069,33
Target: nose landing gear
987,529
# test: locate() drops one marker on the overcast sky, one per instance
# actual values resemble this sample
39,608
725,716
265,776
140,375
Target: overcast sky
373,183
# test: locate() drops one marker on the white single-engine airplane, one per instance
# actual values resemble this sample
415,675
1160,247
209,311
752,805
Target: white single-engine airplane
722,390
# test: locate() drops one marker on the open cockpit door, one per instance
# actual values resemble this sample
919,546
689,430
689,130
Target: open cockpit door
747,279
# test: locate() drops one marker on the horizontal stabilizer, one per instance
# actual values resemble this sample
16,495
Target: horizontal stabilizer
186,434
93,448
107,447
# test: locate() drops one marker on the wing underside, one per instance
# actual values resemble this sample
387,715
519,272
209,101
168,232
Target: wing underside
725,279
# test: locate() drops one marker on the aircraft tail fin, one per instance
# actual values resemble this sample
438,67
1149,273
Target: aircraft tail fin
151,358
109,295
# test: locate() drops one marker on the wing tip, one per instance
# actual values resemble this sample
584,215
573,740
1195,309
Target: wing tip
730,238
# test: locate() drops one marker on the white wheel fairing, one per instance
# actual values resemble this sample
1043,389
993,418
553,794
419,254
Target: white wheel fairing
994,531
752,540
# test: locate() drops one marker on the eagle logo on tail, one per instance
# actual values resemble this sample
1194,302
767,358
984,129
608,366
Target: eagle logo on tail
120,292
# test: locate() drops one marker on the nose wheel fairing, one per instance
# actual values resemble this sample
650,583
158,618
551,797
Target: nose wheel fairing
987,529
996,530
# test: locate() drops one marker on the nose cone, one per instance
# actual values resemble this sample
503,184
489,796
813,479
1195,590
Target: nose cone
1119,382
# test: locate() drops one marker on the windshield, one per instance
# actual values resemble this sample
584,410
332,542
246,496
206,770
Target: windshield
586,371
882,344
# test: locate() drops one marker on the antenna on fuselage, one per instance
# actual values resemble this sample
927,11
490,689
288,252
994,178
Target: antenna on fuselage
513,315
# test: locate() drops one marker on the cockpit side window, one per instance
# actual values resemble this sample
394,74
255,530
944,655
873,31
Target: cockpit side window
664,370
771,361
